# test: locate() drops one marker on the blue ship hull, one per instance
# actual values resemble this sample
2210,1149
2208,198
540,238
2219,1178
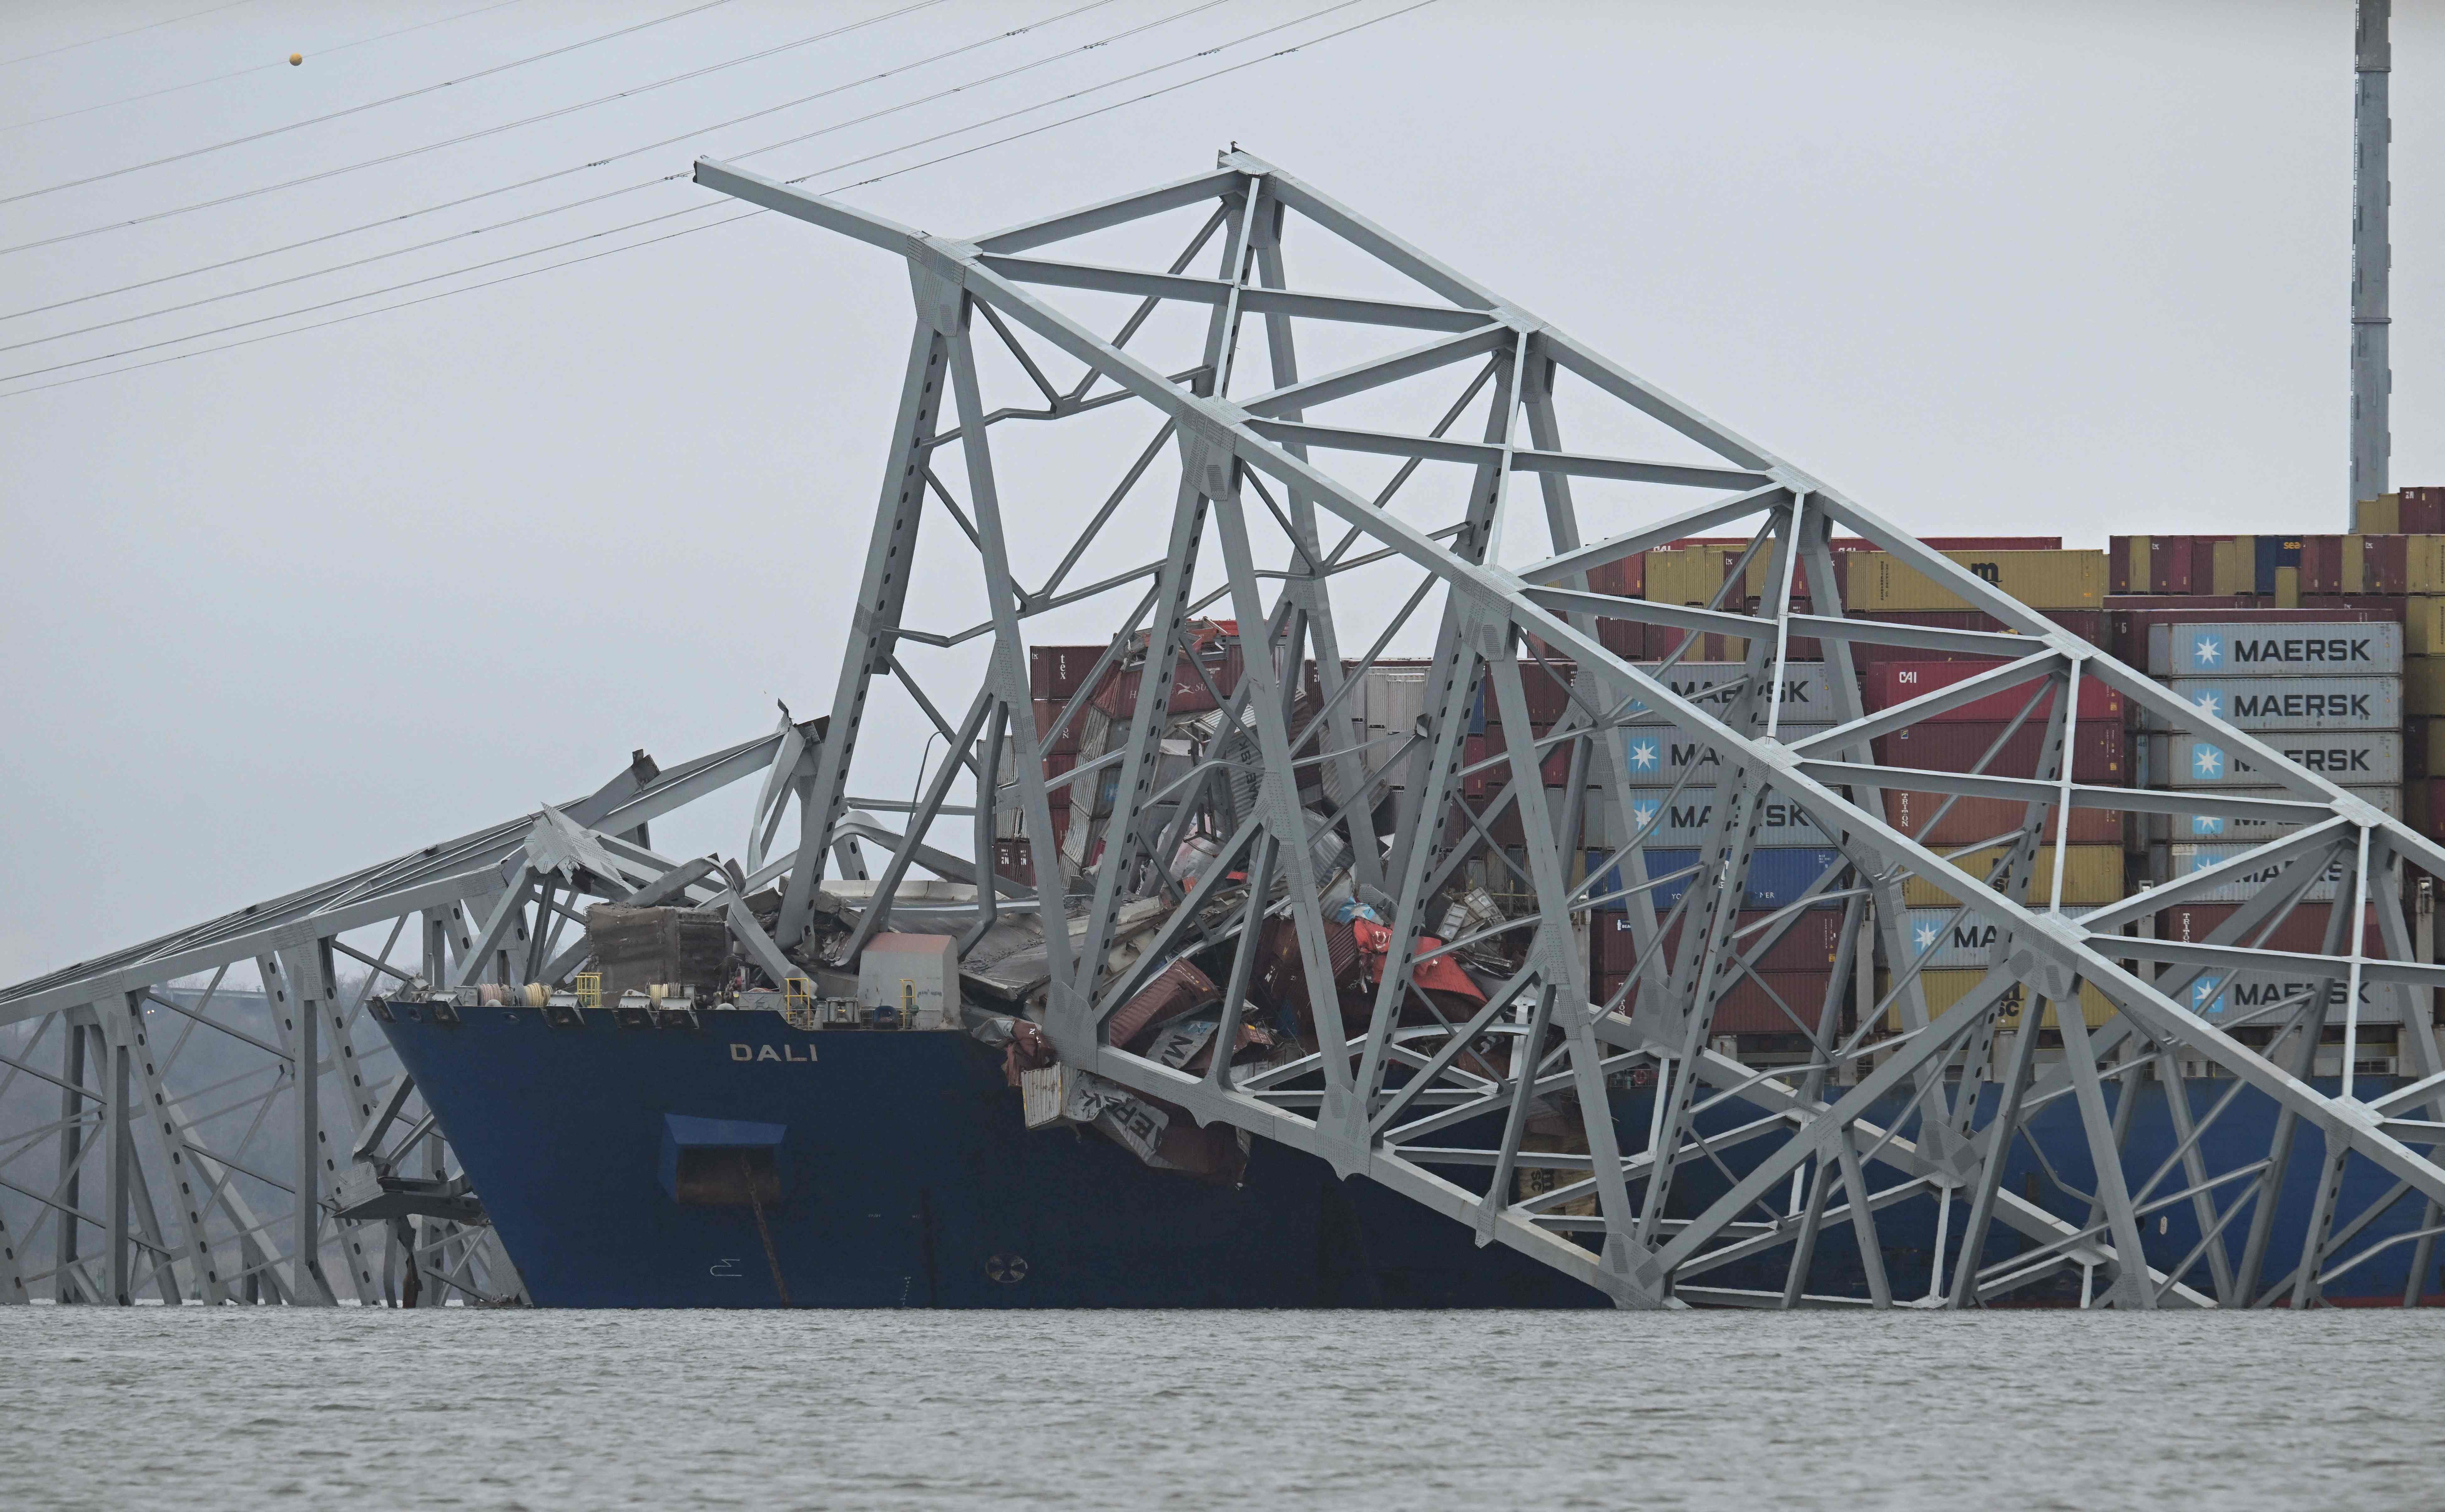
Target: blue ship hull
907,1179
904,1176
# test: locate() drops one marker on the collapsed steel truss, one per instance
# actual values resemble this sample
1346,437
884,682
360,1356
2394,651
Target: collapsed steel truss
1289,801
189,1120
1377,1096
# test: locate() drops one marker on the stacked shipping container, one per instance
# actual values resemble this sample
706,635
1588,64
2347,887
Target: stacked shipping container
2319,647
2332,651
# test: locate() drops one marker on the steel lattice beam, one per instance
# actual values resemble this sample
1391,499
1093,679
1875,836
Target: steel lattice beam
1253,486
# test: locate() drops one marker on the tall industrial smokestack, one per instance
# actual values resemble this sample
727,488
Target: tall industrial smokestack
2372,378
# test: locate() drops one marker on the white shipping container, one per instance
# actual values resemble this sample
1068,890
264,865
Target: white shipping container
2216,996
2291,703
1690,819
2262,648
1392,700
1659,755
1945,942
2172,863
2208,828
2344,758
1713,685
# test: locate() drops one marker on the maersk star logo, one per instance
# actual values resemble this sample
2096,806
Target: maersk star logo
1643,756
2210,703
1644,810
1927,933
2209,651
2206,760
2203,994
2205,824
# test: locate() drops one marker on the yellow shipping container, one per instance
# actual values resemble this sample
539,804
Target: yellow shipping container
2091,874
2236,566
1691,576
2423,565
1945,988
1761,574
2138,569
2042,580
2423,684
2423,626
2288,588
2382,516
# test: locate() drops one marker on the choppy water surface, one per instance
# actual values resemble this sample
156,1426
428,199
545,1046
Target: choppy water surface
197,1407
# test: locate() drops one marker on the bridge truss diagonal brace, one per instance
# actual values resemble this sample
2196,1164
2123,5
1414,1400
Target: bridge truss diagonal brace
1231,446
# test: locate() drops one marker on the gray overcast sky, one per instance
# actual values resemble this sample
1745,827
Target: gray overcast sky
276,612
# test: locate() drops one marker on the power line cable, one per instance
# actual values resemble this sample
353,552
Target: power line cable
371,104
748,214
614,194
258,68
473,136
557,172
649,220
150,26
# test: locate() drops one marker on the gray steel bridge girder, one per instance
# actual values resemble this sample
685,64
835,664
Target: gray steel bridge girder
172,1217
1270,435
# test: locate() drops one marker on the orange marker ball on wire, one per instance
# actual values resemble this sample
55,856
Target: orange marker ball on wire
296,58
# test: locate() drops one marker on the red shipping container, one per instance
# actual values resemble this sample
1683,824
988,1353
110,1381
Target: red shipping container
1118,697
2304,930
1894,683
1972,820
2423,510
1746,1007
1626,639
1867,654
2321,564
2422,755
2424,798
1474,749
1048,710
2385,566
2170,563
1547,687
2355,606
2098,753
1056,671
1014,859
1961,543
1808,945
2187,604
2088,625
2117,563
1623,578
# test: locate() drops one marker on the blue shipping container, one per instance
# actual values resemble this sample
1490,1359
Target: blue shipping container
1778,875
2274,551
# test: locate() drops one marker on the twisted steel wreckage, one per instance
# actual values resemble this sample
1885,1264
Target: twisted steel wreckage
1254,844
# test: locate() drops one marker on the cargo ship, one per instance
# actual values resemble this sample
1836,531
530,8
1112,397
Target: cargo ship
728,1158
685,1134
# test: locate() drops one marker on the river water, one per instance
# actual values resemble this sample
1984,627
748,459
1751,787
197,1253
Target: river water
192,1407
